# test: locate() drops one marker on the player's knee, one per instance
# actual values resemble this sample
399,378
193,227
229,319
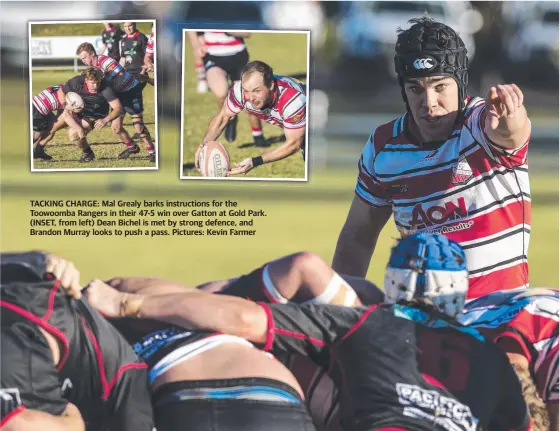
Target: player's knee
74,135
307,261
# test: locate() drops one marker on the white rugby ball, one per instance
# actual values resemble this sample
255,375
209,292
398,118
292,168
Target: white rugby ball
214,160
74,101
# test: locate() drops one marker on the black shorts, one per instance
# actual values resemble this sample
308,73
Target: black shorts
250,286
91,115
42,122
231,64
132,100
178,407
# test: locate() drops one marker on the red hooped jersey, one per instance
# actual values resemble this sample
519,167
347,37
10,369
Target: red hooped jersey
115,74
288,110
222,44
529,316
47,100
151,43
466,188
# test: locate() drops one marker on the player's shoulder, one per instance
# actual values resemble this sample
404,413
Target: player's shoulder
474,104
237,91
386,132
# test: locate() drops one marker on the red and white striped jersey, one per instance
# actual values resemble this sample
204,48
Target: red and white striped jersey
47,100
466,188
288,110
530,317
222,44
151,42
120,80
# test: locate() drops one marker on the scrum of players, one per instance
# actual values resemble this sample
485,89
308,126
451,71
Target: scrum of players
290,346
110,87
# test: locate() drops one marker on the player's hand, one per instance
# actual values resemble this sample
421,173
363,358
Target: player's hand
196,156
66,273
242,167
99,124
104,298
503,101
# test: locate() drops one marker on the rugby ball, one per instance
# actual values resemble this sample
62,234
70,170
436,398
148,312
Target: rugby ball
74,101
213,160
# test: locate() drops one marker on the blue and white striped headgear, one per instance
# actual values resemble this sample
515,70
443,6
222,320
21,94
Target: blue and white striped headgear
430,267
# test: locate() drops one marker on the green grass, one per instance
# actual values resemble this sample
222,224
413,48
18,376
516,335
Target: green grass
105,143
43,30
300,216
287,54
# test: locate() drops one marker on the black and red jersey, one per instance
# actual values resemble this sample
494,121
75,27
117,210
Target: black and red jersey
111,39
98,371
132,48
94,101
401,367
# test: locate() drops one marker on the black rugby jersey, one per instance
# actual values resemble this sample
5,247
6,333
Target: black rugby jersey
399,366
111,38
95,103
98,371
133,49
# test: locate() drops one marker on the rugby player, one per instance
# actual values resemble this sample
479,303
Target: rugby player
59,355
101,106
452,164
45,104
223,56
429,372
278,100
150,51
129,92
525,325
110,38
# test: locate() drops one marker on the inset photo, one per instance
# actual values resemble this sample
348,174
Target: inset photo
93,95
245,105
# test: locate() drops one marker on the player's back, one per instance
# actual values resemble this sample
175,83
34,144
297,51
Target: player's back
96,366
424,373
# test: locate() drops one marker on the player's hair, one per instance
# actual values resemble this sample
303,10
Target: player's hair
537,407
93,74
87,47
261,67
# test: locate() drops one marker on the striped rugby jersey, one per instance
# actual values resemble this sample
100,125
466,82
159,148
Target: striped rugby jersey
531,318
120,79
468,189
288,110
222,44
151,42
47,100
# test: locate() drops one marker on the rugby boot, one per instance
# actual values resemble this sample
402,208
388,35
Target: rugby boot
39,153
87,156
231,130
260,141
126,153
152,157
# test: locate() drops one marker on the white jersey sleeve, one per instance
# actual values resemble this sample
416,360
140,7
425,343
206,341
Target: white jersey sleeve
294,114
475,120
235,98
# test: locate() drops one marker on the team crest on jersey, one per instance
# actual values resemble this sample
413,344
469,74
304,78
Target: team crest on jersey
297,118
462,172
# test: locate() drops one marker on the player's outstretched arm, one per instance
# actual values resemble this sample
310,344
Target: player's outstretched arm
191,310
147,286
215,128
358,238
33,420
295,138
507,124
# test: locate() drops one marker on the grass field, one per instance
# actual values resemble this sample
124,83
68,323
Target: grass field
105,143
300,216
287,54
